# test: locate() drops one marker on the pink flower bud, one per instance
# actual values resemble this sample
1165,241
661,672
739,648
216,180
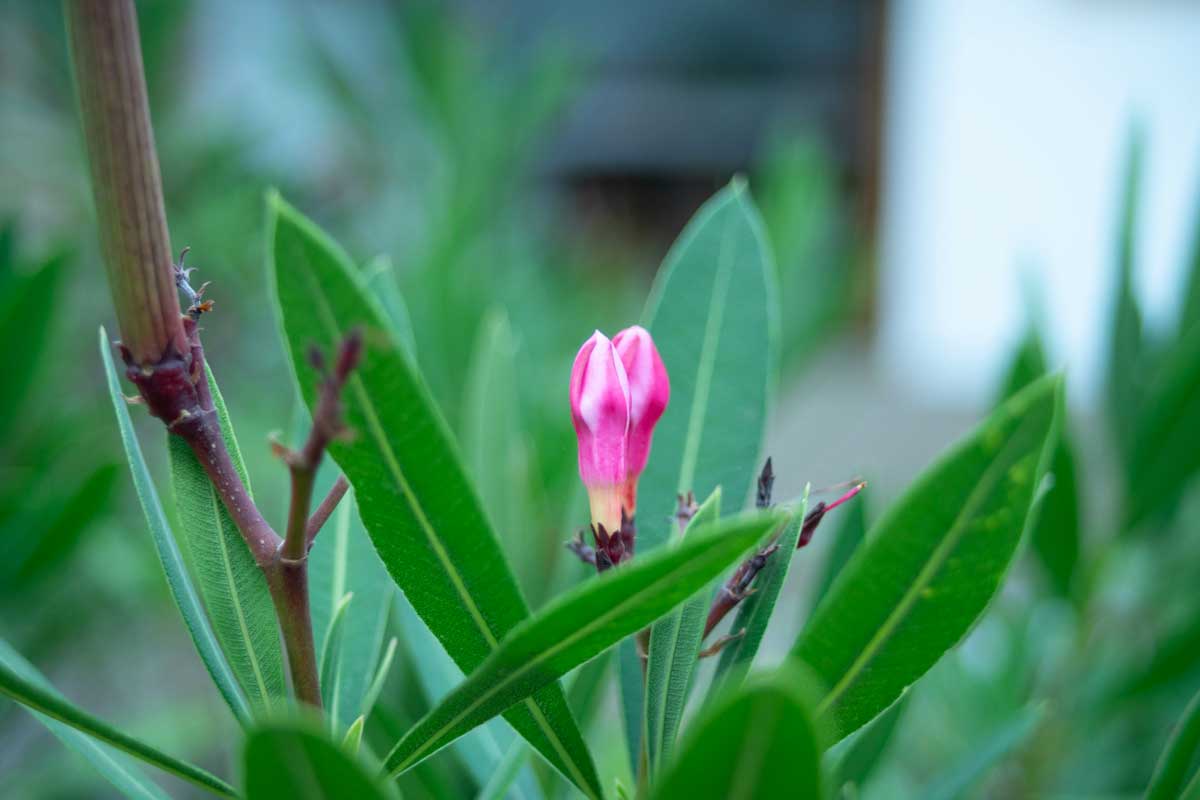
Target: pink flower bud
649,392
600,407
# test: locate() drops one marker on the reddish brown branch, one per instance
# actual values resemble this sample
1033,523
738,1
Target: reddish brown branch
325,509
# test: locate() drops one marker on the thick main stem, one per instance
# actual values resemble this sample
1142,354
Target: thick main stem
159,344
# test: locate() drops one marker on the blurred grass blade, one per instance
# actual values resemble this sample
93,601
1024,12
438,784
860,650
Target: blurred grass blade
343,561
295,760
576,627
20,681
482,750
674,651
933,563
985,756
419,507
1126,352
1055,536
495,450
331,660
757,743
117,768
178,579
850,534
754,613
27,307
715,319
232,585
1171,772
865,752
1165,456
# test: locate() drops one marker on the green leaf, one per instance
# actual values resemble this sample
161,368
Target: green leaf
849,536
1126,354
484,749
421,511
294,761
577,626
26,315
758,742
714,315
379,277
1171,772
1189,314
331,660
178,579
20,681
495,450
1055,536
631,680
984,756
674,650
933,563
754,613
77,511
117,768
343,561
232,585
1165,459
865,752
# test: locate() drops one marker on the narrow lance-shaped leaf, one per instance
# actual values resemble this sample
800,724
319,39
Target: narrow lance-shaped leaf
331,660
420,509
23,684
296,760
867,749
233,586
1055,536
932,564
576,627
178,579
713,312
757,743
1171,773
117,768
674,650
754,613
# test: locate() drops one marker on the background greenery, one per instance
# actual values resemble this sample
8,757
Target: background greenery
1068,687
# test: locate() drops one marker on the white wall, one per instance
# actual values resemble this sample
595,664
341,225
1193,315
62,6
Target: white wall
1006,125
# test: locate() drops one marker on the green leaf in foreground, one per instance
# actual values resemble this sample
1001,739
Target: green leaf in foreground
178,580
757,743
1171,773
294,761
1165,458
420,509
714,315
1055,536
117,768
674,651
932,564
234,588
576,627
754,613
21,682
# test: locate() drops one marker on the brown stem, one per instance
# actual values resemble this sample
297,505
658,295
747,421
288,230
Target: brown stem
288,581
325,509
107,62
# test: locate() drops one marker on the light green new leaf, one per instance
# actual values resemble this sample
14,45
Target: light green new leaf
714,315
232,585
295,761
420,509
933,563
754,613
178,579
81,731
331,660
1165,458
757,743
1171,773
1055,537
674,650
576,627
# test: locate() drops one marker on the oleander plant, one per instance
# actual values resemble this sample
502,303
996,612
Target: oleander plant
396,629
